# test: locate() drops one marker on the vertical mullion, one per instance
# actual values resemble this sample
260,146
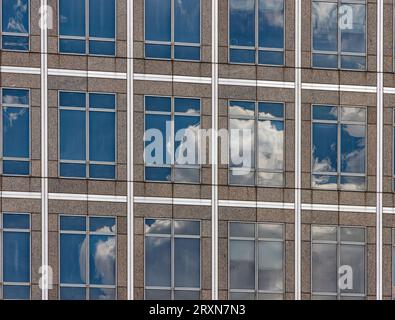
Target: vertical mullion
87,137
256,8
87,239
172,261
1,131
87,31
172,40
256,244
338,262
339,36
339,147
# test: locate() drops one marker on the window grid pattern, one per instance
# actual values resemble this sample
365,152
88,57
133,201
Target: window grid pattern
170,42
335,44
87,166
173,112
15,128
266,19
335,237
86,42
340,163
267,123
96,262
265,235
15,24
173,231
15,280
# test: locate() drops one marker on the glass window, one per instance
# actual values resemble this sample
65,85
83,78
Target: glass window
172,29
339,34
15,278
88,249
86,150
172,260
338,147
172,139
15,131
338,263
256,261
256,31
15,21
256,147
87,27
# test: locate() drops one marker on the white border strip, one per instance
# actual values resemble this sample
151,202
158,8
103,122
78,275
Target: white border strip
338,208
130,151
20,70
214,151
44,150
257,83
21,195
340,88
256,204
175,201
87,74
171,78
298,149
379,166
87,197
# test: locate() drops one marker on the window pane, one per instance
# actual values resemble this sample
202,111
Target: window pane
271,57
158,20
271,23
72,223
16,221
242,147
72,17
187,262
157,226
242,22
187,21
324,182
72,46
157,295
157,261
102,18
16,167
325,26
354,38
102,255
16,43
352,183
72,99
73,170
270,296
242,177
353,114
186,295
270,110
101,101
102,142
101,294
325,61
324,268
269,179
158,174
187,105
242,264
72,135
161,104
101,171
270,231
72,293
353,148
16,132
241,56
102,225
354,257
16,292
16,254
324,113
73,258
106,48
352,234
270,272
157,51
186,175
183,227
270,145
186,140
186,53
158,138
324,147
324,233
242,108
15,16
241,296
245,230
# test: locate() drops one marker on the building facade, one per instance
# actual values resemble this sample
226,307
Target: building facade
313,218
